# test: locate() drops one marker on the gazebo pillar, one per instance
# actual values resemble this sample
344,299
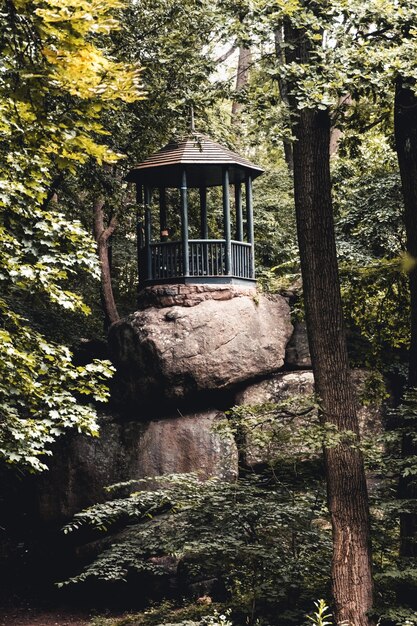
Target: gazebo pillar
148,232
184,224
163,224
139,229
226,218
203,213
249,222
239,216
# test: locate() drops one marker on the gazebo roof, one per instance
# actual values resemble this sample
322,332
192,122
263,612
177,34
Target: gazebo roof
203,159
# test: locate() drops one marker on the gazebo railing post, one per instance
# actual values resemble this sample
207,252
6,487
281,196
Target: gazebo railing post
148,233
184,225
249,222
226,218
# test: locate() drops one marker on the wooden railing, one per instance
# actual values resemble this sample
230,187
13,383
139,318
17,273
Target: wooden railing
206,258
166,260
241,259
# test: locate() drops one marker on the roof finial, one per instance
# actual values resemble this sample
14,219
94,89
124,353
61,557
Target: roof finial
192,125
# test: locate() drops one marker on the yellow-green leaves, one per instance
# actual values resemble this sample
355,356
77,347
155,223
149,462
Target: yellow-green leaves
56,79
86,73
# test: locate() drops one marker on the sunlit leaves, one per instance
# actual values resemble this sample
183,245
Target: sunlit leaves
56,79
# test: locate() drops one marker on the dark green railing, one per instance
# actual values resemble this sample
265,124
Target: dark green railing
206,259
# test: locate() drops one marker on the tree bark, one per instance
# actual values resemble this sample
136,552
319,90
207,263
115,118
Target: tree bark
405,122
242,77
102,235
405,119
283,90
352,586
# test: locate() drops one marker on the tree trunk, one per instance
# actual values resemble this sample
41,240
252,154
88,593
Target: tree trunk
102,235
283,90
352,586
245,60
405,120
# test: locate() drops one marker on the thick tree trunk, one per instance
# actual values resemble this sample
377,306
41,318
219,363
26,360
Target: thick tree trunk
102,235
352,586
346,483
405,119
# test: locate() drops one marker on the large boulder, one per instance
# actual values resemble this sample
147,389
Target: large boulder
262,444
179,351
81,470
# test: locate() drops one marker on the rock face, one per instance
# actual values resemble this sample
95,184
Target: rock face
182,350
278,388
126,451
298,352
286,385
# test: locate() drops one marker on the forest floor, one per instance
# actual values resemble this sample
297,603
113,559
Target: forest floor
30,614
40,617
31,610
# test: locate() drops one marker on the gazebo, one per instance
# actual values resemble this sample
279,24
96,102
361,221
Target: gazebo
195,162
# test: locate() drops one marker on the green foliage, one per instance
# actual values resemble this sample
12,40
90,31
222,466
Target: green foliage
167,613
391,571
277,261
322,616
265,542
371,244
40,393
172,41
55,80
376,303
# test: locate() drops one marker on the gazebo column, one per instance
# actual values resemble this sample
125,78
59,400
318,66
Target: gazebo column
226,219
203,213
148,233
239,216
163,222
204,230
184,225
249,222
139,231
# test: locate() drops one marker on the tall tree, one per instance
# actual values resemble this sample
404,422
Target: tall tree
352,585
405,118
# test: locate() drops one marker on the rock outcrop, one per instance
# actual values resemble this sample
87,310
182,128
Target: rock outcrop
298,352
84,466
287,385
179,351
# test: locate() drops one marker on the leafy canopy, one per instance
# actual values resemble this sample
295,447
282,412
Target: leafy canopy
56,77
